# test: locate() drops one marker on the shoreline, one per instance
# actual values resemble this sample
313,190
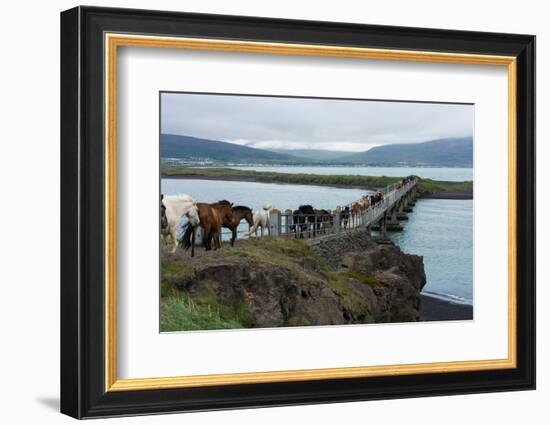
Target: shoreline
434,309
448,195
433,195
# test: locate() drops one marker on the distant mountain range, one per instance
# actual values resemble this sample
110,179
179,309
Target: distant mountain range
450,152
193,148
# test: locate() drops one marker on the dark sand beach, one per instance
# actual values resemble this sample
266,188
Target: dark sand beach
448,195
434,309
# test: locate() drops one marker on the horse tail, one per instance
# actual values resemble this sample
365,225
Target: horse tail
186,238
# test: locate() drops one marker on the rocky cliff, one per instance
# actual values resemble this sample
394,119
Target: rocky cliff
276,282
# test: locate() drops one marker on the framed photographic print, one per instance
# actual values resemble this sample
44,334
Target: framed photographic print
261,212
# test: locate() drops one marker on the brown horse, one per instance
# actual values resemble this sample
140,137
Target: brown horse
239,213
224,212
210,221
232,218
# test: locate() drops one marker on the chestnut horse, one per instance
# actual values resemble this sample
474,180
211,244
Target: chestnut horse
212,216
224,210
238,213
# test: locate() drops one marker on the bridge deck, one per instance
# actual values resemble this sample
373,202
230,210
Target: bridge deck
283,225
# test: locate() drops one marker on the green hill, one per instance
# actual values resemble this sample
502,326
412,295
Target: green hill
452,152
194,149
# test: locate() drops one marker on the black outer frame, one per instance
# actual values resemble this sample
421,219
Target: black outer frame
82,206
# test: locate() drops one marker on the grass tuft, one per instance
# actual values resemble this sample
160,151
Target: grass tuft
181,313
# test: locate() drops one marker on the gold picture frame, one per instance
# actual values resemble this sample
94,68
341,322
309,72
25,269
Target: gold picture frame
91,39
114,41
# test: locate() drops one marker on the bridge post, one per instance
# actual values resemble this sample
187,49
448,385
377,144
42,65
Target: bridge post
383,226
336,220
288,222
275,223
393,223
401,214
412,198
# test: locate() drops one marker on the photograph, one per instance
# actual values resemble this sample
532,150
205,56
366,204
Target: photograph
285,211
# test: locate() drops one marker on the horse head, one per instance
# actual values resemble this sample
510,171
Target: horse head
192,214
249,217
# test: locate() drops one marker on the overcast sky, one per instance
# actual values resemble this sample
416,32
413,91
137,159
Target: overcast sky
290,123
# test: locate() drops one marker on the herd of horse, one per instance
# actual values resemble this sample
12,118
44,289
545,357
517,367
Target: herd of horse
202,222
188,222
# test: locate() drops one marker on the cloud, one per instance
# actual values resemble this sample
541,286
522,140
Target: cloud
294,123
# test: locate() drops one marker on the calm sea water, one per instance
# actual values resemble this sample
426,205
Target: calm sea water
439,230
442,231
435,173
256,195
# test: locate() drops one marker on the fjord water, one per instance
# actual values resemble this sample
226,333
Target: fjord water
441,231
434,173
438,229
255,195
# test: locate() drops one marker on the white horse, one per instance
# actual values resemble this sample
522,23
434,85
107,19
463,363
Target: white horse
261,219
179,207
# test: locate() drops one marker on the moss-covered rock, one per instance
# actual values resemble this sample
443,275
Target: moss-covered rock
287,282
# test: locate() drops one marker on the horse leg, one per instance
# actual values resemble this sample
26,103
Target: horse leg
206,239
193,241
173,231
233,235
219,238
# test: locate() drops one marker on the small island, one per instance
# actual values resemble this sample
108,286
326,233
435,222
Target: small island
427,188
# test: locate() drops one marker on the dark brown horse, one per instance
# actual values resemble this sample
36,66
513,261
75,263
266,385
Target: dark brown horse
376,198
239,213
232,216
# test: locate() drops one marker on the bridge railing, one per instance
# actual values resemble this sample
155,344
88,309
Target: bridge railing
305,226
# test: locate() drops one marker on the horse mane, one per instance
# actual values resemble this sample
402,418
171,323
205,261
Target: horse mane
180,196
241,208
223,202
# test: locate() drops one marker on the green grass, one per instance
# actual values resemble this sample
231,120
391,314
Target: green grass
366,182
285,253
181,313
428,186
341,283
360,277
273,177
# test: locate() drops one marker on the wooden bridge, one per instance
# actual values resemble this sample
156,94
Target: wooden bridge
385,215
